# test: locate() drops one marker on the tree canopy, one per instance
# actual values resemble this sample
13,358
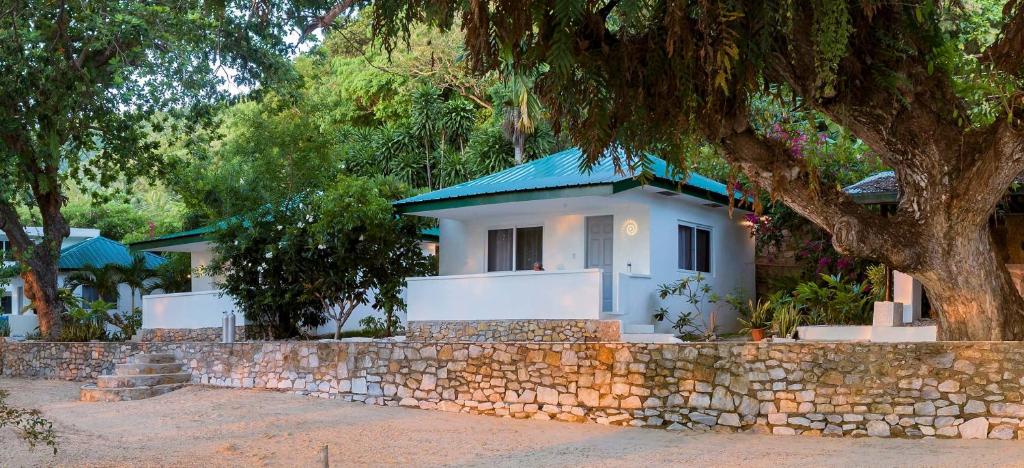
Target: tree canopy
933,88
83,83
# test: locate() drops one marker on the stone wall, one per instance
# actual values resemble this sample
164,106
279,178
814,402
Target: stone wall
176,335
970,390
548,331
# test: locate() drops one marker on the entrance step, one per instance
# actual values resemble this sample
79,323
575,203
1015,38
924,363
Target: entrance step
152,358
637,328
91,392
140,369
144,376
141,380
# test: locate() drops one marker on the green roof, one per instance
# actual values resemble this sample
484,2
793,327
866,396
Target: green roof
563,173
99,252
201,235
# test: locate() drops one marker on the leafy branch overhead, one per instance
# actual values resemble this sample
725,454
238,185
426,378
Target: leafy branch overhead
934,89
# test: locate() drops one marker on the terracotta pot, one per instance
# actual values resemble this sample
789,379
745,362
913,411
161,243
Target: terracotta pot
757,334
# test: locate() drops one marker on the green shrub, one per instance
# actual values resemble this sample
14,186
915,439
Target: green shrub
756,315
785,318
28,424
377,327
835,301
697,324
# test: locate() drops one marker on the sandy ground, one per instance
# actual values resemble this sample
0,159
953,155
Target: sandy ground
200,426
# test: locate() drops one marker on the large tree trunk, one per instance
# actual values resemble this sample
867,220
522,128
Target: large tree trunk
41,288
971,289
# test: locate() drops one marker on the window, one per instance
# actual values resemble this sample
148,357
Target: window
89,294
694,248
518,248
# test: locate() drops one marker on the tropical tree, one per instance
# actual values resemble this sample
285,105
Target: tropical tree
82,83
104,280
933,88
294,264
135,274
172,276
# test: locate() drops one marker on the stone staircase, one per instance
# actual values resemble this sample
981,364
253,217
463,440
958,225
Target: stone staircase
144,376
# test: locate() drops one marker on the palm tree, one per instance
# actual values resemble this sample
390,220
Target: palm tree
172,276
104,280
135,274
520,107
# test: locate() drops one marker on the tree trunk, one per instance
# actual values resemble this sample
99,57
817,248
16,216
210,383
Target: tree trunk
971,290
41,288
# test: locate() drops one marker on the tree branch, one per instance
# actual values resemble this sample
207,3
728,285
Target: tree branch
855,230
326,20
1007,52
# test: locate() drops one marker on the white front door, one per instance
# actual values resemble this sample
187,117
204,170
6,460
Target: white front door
600,231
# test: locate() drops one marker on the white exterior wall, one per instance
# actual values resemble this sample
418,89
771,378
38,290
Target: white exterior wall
732,254
643,257
508,295
200,281
186,310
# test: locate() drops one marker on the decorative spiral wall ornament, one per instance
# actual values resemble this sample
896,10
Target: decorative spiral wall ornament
630,227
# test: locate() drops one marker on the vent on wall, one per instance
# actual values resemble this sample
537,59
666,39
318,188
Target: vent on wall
667,193
712,205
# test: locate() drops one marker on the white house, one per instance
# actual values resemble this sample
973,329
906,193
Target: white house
82,247
605,241
204,305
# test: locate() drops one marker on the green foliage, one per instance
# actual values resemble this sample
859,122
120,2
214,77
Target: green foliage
128,324
104,280
29,425
377,327
417,115
83,324
697,323
755,314
785,318
835,301
172,276
317,256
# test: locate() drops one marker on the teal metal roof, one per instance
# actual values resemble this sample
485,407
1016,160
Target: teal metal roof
99,252
564,170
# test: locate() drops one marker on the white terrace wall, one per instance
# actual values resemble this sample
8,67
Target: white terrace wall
970,390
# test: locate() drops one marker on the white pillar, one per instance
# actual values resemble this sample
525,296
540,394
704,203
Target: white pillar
907,290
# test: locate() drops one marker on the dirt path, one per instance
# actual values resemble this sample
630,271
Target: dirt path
218,427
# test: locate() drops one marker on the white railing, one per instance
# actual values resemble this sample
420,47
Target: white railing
186,310
508,295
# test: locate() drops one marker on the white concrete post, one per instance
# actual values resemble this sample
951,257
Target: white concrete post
907,290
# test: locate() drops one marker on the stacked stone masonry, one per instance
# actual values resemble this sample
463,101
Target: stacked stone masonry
547,331
969,390
179,335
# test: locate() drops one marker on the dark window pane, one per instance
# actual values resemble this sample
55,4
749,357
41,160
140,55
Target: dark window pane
703,250
499,250
685,248
529,248
89,294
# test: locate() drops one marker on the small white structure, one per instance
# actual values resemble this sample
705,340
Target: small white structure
605,241
205,304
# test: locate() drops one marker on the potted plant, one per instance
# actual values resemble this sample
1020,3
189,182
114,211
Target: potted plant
785,320
756,318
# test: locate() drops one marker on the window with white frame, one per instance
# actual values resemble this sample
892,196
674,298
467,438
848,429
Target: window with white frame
514,248
694,248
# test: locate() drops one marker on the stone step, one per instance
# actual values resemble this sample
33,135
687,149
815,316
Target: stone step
152,358
91,392
146,369
141,380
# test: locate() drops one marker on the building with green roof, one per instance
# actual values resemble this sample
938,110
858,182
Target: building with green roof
604,236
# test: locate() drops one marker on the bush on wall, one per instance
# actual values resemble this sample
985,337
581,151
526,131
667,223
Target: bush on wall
318,256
